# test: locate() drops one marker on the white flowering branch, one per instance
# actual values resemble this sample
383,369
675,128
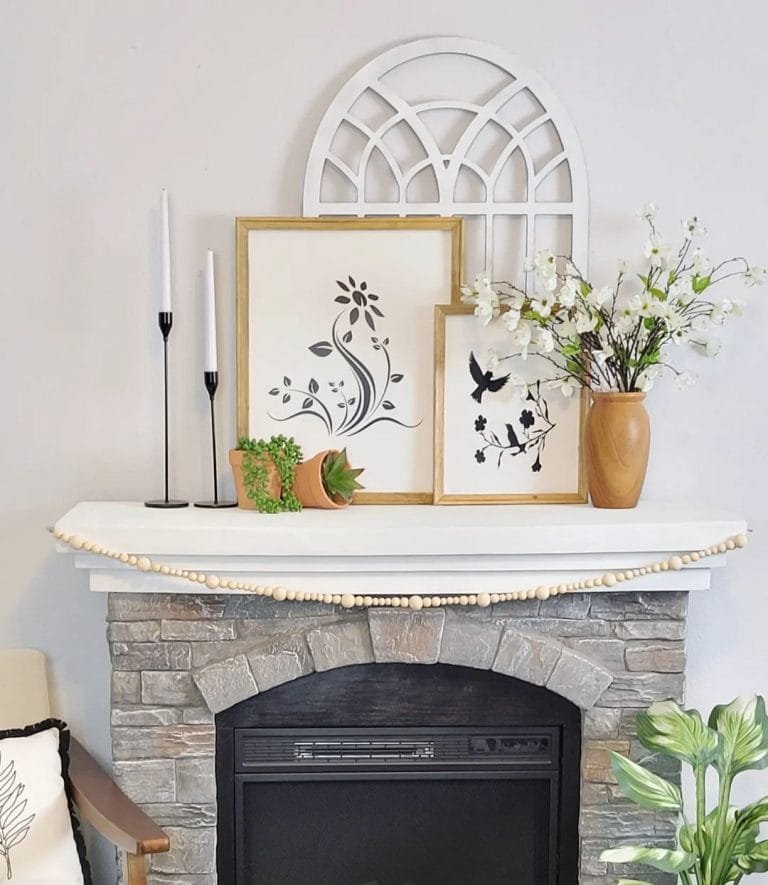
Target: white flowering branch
616,337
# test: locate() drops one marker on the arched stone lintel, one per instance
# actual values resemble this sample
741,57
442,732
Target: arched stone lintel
410,637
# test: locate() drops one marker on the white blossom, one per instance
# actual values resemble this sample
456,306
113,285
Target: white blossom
693,228
755,275
657,251
623,266
566,386
585,322
685,379
544,341
545,263
568,292
700,263
682,290
601,356
647,378
543,304
648,212
511,319
598,297
521,338
712,346
625,322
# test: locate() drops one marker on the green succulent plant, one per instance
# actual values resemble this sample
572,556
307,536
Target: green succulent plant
714,846
339,479
285,454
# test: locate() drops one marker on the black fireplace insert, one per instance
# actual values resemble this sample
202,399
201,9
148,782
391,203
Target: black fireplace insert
399,775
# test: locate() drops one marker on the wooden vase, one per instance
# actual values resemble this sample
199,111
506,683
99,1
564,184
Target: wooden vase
274,486
617,439
308,485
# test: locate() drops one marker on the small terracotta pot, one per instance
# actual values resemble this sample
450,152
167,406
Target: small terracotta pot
308,485
274,486
618,439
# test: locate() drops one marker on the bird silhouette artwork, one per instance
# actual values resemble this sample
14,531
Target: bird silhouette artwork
484,380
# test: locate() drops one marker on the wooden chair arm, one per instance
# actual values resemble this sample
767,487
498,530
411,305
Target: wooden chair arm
104,805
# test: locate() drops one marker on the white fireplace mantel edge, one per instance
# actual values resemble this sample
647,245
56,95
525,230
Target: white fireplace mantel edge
397,549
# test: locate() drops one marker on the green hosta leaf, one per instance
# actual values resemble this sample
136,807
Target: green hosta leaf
743,725
754,814
585,288
699,284
644,787
659,294
668,729
756,861
659,858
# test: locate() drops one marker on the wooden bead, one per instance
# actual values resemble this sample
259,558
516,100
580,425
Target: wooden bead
741,540
201,578
721,548
301,596
427,602
730,544
367,600
336,598
123,556
664,565
132,560
472,599
416,603
144,563
484,599
542,592
436,602
192,576
656,567
494,599
359,601
291,596
676,563
77,542
463,600
347,600
609,580
212,582
395,601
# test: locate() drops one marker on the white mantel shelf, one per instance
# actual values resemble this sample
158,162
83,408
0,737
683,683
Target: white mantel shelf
397,549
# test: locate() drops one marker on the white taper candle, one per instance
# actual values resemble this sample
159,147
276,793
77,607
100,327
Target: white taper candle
166,254
211,361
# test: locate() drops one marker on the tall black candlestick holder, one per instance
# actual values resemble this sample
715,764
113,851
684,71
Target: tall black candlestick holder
165,321
211,384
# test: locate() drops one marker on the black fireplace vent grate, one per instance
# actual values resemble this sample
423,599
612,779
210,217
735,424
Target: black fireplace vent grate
257,749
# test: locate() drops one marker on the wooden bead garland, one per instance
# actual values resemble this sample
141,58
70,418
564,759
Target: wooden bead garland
609,580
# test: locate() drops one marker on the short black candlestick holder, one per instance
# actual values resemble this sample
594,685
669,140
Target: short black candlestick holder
165,321
211,384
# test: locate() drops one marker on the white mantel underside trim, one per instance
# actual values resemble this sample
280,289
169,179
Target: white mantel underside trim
397,550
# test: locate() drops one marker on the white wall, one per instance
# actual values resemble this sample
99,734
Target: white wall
102,103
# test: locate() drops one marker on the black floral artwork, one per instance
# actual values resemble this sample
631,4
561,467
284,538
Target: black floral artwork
14,824
346,409
526,436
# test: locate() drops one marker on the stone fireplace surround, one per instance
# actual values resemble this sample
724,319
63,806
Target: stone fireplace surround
179,658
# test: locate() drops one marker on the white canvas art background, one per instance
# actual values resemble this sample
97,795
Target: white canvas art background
329,382
472,427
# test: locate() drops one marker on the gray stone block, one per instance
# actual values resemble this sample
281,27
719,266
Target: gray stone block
570,605
601,723
140,715
169,688
671,630
527,656
280,660
249,607
467,642
151,655
656,657
162,742
561,628
579,679
639,606
198,631
181,814
150,780
409,637
156,606
226,683
642,689
193,850
340,645
133,631
171,879
196,779
609,653
125,687
197,715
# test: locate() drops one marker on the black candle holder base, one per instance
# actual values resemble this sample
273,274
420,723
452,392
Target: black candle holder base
161,504
215,504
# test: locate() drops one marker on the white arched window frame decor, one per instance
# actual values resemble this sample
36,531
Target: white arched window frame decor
507,158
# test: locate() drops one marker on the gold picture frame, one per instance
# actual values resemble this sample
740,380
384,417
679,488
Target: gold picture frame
441,494
246,394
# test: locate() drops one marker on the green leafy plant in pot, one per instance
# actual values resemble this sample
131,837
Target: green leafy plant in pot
715,845
327,480
264,472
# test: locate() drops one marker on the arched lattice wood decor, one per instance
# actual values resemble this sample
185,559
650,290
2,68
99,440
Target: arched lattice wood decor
448,126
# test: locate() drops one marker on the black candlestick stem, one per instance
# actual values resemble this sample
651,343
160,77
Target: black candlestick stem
211,384
165,321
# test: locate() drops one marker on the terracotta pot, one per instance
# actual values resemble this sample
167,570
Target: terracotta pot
274,486
308,485
618,439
